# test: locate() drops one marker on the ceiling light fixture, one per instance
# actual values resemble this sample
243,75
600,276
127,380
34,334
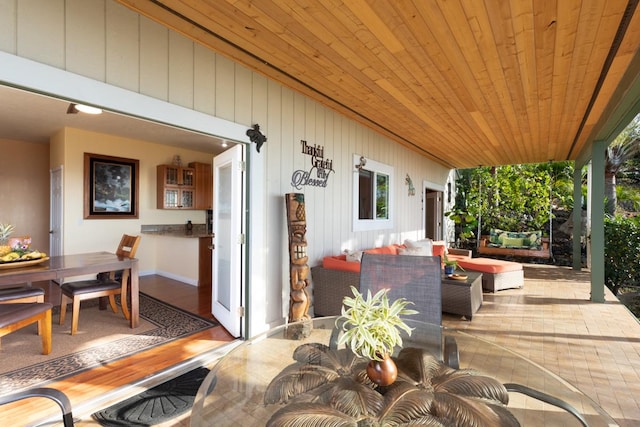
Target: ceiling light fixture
224,144
75,108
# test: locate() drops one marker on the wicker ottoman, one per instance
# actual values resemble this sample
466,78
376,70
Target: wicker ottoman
496,274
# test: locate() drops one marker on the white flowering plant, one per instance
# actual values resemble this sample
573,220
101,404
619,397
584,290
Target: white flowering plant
372,326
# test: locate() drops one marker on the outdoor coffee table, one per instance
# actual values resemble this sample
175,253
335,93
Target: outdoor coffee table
463,297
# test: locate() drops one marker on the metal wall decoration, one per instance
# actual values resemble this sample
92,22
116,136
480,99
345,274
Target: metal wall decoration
412,190
299,300
321,168
361,164
256,136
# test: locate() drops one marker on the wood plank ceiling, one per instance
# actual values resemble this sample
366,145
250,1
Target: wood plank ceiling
464,82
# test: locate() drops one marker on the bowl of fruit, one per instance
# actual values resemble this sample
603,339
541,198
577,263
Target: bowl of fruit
17,251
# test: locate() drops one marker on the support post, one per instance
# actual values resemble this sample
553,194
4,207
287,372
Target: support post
597,221
577,218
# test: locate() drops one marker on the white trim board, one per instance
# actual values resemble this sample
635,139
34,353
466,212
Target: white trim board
47,80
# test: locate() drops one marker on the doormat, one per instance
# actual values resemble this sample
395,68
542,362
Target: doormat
156,405
105,337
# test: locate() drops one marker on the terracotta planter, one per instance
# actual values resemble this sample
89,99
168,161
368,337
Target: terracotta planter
382,372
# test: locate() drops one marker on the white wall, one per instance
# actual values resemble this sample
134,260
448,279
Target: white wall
105,42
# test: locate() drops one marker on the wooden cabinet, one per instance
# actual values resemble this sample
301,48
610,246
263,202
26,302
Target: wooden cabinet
204,185
205,248
176,187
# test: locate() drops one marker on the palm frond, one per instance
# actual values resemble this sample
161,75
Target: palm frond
466,411
474,386
310,415
297,379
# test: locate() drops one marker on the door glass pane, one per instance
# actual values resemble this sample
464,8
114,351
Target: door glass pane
172,176
171,198
223,238
187,198
187,177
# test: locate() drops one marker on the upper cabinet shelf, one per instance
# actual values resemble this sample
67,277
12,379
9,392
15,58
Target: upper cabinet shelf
185,187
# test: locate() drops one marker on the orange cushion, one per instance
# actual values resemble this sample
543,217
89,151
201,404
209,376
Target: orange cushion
438,250
340,262
488,265
389,250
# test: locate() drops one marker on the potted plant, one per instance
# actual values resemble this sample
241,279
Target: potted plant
450,265
371,328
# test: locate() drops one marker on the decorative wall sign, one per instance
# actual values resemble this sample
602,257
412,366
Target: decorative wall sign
320,170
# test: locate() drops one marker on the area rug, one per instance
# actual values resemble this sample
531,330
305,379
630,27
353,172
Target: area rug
156,405
102,337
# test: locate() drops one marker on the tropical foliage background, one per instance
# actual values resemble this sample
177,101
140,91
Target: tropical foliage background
540,197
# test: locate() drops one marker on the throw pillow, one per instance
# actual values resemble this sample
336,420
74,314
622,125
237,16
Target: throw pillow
513,242
419,251
353,256
427,244
440,248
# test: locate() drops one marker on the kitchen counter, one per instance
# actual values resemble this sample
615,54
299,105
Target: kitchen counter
178,255
176,230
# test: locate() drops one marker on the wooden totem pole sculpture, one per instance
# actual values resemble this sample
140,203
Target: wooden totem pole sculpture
299,300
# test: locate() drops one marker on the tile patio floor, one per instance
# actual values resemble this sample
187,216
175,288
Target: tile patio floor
593,346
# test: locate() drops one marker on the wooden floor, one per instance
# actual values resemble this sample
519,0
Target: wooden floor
593,346
116,381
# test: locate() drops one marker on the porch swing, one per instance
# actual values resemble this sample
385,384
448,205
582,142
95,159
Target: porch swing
526,244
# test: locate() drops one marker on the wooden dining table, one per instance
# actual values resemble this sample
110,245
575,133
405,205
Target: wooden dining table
64,266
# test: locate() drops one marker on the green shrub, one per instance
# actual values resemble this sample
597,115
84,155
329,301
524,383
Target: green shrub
621,252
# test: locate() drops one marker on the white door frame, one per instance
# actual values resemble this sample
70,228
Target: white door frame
56,211
427,185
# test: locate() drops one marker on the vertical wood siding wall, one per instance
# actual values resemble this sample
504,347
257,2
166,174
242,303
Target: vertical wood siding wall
105,41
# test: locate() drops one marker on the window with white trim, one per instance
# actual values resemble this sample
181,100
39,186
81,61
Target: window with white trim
373,195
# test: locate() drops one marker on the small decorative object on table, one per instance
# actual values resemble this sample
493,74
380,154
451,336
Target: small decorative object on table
372,330
17,249
450,265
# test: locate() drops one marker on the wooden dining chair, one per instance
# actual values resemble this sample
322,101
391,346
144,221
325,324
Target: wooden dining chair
102,286
18,315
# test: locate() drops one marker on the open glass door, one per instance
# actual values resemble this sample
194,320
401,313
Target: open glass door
228,231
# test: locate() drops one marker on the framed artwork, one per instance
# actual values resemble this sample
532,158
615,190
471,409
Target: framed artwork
110,187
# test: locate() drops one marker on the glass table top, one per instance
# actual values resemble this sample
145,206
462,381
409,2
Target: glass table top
239,390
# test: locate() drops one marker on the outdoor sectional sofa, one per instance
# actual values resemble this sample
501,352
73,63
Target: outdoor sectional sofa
333,279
